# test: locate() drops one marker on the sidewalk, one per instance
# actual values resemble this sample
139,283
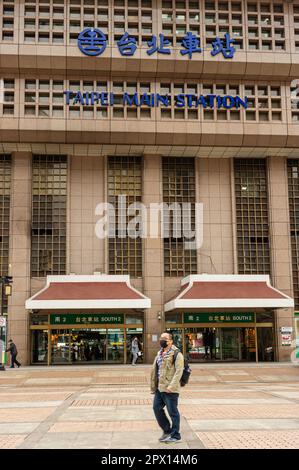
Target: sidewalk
110,407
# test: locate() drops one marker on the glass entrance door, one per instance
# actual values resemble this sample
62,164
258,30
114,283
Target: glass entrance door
220,344
115,345
230,345
91,346
60,347
202,344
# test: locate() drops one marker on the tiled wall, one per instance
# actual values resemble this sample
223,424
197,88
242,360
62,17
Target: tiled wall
44,98
255,25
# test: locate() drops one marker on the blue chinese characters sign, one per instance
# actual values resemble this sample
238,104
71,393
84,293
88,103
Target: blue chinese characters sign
93,42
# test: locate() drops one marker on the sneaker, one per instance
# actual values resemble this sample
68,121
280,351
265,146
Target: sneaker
171,440
164,436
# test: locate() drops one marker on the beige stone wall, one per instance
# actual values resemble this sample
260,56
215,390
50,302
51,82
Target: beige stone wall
20,240
214,190
280,244
153,280
86,190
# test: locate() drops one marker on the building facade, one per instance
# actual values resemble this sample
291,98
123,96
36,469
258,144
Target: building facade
160,101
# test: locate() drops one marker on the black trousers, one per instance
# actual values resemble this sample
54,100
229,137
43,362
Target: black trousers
14,361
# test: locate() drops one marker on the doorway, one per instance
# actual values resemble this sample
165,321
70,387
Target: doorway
92,346
220,344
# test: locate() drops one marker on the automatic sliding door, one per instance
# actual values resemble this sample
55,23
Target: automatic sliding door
60,347
115,345
230,344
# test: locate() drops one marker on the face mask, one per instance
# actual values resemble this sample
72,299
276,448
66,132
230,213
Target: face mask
163,343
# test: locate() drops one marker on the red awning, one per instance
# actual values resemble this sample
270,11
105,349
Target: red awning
88,292
228,291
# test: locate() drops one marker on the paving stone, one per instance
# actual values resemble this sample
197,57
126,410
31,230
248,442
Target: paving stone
105,426
240,411
19,415
10,441
232,372
107,413
31,396
17,428
251,439
75,441
120,402
38,404
232,401
243,424
60,380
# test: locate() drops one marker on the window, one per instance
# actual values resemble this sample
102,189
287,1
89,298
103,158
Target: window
177,19
224,18
7,91
124,179
293,185
7,20
42,20
266,26
252,216
5,182
178,187
48,231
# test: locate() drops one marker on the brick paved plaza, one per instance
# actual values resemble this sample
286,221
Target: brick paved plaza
109,407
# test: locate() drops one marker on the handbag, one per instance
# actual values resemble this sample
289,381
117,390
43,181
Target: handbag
139,353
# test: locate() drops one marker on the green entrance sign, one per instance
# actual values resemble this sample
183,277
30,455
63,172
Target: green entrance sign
218,317
92,319
296,314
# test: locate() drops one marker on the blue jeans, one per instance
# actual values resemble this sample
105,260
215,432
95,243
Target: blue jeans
170,400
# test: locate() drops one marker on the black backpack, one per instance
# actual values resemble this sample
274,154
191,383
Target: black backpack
186,371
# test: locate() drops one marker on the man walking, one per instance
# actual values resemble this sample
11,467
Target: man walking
13,352
165,384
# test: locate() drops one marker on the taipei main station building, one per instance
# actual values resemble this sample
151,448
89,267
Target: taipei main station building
149,179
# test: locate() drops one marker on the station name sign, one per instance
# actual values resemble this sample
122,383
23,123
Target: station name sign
92,319
219,317
93,42
152,100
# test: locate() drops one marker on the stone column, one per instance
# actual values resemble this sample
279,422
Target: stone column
153,266
87,190
280,243
20,246
216,256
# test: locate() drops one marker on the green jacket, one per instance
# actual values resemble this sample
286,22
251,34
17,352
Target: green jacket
171,373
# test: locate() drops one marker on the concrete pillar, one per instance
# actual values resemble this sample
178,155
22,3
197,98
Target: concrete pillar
216,256
153,286
20,246
280,243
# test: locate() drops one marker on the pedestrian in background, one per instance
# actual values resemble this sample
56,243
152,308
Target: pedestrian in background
134,350
13,352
